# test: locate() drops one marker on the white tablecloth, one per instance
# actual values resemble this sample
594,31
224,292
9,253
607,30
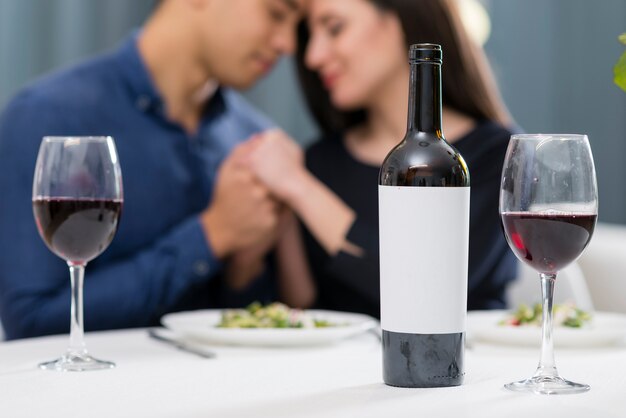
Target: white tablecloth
342,380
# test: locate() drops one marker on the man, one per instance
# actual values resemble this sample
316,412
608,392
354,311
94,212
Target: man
165,98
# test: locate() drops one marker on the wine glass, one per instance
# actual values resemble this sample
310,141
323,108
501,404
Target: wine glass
77,201
549,208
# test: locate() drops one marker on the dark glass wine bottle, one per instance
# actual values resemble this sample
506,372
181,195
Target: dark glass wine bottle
424,232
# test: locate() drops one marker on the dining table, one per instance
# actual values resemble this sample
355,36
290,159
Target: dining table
338,379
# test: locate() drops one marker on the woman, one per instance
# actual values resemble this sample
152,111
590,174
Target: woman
353,67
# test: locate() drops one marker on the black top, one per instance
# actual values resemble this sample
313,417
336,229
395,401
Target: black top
350,283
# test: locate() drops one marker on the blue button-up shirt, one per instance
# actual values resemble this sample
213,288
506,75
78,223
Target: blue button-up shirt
159,260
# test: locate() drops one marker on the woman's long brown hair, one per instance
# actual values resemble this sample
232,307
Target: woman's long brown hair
468,86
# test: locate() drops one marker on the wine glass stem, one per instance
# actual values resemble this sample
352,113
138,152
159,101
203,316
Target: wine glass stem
77,342
547,366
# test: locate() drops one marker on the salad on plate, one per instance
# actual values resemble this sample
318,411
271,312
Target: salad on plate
274,315
565,315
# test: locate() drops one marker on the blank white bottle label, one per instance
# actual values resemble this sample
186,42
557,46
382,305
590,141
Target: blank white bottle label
424,242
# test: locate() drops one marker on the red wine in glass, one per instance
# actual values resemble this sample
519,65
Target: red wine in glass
548,242
77,230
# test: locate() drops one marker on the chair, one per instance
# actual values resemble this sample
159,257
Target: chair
604,266
570,286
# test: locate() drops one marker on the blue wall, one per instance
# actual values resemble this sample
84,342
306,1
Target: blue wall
553,60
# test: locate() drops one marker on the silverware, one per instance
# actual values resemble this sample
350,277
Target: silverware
156,334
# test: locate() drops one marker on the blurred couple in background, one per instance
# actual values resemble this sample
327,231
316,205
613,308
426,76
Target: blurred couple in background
221,208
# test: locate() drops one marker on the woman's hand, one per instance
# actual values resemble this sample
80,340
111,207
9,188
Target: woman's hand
278,162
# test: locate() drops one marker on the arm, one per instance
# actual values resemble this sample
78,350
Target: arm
133,290
130,284
244,265
296,284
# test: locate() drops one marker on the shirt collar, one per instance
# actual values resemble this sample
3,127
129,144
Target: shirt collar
139,82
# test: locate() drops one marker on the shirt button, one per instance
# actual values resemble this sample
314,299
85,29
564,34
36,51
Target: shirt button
201,268
143,102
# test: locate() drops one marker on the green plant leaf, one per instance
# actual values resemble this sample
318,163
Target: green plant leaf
619,72
622,38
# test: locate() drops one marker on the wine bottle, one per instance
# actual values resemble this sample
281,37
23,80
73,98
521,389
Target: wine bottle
424,238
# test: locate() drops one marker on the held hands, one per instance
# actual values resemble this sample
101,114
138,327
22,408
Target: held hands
277,162
271,159
242,213
243,222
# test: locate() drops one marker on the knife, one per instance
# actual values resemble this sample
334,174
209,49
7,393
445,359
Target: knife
181,345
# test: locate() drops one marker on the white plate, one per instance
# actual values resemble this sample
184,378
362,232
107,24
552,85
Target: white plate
605,329
201,325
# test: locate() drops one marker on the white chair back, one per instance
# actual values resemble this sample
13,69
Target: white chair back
604,266
570,286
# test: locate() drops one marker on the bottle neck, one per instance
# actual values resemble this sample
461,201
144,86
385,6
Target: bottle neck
425,98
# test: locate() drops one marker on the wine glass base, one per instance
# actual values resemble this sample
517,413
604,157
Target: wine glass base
547,385
76,363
